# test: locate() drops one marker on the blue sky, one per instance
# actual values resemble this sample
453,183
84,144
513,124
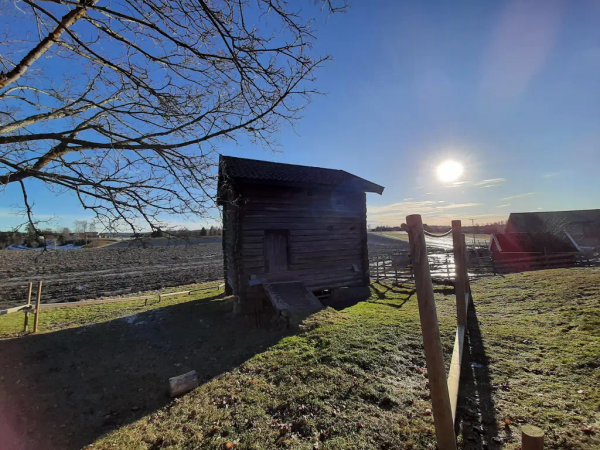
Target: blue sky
509,89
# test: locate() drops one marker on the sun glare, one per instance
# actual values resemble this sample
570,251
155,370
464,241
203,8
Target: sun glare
449,171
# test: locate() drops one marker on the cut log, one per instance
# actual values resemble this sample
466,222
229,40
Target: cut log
183,383
532,438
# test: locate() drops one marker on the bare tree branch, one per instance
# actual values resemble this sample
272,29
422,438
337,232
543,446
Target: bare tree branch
125,103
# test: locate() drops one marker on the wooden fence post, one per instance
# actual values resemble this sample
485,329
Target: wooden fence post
467,280
532,438
38,307
384,271
436,371
377,266
26,322
459,272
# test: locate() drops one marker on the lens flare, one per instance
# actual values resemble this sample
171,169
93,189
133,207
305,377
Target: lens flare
449,171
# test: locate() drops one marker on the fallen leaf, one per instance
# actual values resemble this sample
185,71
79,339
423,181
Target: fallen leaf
589,430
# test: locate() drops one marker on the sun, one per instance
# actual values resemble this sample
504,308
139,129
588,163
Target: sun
449,171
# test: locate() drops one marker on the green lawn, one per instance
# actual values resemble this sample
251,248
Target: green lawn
354,378
53,319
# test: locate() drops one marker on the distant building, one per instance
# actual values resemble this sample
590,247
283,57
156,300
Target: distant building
517,252
512,245
305,225
581,227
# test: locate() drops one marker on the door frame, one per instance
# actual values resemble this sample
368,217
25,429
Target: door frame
287,246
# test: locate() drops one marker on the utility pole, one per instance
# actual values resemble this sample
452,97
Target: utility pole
473,223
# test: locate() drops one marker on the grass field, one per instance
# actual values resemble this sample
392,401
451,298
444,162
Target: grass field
353,378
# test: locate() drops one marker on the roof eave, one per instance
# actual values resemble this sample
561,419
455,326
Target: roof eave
370,187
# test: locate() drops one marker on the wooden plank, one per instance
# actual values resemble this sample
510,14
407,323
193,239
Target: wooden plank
363,241
304,220
26,320
352,257
320,285
345,267
440,399
308,213
324,277
302,226
36,318
454,372
460,272
324,231
354,237
172,294
253,245
252,252
94,302
323,265
322,247
15,309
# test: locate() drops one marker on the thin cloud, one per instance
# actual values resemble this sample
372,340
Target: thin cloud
417,207
490,182
460,183
402,206
459,205
527,194
503,206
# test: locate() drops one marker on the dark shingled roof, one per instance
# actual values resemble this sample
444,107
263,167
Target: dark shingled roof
552,221
256,171
532,243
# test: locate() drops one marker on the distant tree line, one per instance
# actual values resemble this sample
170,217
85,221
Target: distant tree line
488,228
185,233
212,231
83,232
386,228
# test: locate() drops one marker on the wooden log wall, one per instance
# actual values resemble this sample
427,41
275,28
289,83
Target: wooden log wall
230,237
327,244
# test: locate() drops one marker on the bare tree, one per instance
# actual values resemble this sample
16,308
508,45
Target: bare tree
124,102
65,235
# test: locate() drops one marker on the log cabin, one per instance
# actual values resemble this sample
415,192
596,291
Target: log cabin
306,224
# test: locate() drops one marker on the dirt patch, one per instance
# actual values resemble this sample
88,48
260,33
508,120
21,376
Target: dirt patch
71,275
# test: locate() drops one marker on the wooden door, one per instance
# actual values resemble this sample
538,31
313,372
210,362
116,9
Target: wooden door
276,251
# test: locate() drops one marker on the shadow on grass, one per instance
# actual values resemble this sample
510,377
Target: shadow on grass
477,422
66,388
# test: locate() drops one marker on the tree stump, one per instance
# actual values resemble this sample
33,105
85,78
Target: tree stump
532,438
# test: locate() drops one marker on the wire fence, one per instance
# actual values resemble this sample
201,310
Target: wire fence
396,266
